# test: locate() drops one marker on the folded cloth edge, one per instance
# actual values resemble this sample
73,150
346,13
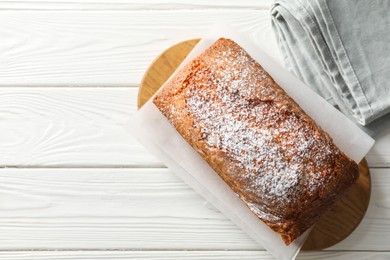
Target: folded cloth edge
351,92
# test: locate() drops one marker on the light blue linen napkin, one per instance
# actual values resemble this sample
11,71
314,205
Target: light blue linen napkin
341,49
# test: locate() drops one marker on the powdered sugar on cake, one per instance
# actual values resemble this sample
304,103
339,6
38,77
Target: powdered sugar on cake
257,130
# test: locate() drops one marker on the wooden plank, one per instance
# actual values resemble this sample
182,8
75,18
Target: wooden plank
96,48
69,127
132,4
185,255
138,209
84,127
108,208
379,155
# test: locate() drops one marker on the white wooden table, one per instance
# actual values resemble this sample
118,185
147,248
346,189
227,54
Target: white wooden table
73,183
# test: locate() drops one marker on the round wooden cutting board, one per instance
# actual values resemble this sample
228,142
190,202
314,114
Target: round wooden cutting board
336,224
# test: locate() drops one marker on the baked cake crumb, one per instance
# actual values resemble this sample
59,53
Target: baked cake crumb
262,144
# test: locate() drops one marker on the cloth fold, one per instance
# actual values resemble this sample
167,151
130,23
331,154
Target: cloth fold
341,49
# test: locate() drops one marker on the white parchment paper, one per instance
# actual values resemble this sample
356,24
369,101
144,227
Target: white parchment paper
153,130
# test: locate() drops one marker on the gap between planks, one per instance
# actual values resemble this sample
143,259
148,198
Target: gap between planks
141,166
164,255
134,5
174,250
69,86
138,9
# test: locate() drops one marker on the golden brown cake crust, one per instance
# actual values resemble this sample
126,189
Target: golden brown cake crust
262,144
